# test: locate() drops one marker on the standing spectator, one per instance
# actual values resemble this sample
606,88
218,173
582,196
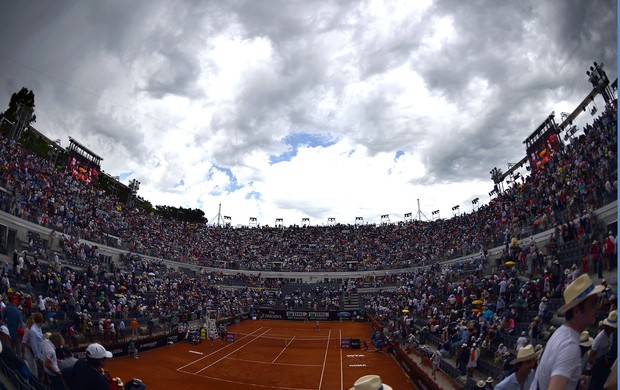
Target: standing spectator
13,319
8,355
542,307
521,342
598,362
132,349
52,370
472,363
609,251
36,340
523,374
560,366
506,366
67,361
87,373
134,328
463,358
26,346
73,336
585,342
121,330
150,325
499,353
435,361
595,254
535,330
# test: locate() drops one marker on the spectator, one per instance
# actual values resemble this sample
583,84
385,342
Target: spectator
8,355
560,366
523,374
51,368
26,346
435,361
521,342
585,342
87,373
36,341
14,319
134,327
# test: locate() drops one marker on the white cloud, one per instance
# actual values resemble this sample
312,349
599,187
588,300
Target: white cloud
419,100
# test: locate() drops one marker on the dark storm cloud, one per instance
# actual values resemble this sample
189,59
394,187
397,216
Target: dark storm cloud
571,35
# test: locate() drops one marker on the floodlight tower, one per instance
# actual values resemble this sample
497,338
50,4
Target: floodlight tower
598,78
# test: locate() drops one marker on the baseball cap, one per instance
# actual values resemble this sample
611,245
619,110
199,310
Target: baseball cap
96,351
5,330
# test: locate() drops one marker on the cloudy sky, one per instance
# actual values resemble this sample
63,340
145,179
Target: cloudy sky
305,109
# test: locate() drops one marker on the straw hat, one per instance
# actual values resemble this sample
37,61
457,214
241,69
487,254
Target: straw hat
585,340
525,353
370,382
612,319
578,291
489,380
481,383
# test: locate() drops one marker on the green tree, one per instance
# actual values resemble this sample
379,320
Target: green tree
25,98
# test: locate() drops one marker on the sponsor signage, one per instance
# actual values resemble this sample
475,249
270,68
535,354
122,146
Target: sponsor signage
309,315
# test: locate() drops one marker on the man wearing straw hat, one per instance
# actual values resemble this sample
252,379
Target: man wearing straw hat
560,365
370,382
599,361
523,374
585,342
603,340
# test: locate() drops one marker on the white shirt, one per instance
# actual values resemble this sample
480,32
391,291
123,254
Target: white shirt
562,356
521,342
601,345
49,353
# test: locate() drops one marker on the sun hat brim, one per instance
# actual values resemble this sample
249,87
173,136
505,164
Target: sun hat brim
566,307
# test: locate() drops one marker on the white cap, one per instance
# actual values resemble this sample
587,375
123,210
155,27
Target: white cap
96,351
5,330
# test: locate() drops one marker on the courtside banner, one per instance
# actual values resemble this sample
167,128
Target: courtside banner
306,315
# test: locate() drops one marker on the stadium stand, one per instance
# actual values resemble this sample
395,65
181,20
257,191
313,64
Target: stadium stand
419,281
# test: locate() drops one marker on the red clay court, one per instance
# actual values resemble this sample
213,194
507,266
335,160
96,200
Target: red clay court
266,354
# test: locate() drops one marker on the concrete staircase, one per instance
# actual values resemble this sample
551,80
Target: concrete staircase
353,302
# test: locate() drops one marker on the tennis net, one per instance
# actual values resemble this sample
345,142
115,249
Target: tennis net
289,341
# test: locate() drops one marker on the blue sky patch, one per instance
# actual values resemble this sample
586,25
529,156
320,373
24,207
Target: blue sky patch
296,140
180,183
233,186
253,195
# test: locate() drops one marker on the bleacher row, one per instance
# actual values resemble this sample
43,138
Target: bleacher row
14,380
567,255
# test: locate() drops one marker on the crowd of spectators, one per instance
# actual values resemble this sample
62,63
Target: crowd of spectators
579,178
462,311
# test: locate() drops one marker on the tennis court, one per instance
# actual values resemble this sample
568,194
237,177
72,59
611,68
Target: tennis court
267,354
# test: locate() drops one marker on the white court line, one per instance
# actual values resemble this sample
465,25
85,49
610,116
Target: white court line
325,358
241,347
250,384
283,349
278,364
340,348
214,352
